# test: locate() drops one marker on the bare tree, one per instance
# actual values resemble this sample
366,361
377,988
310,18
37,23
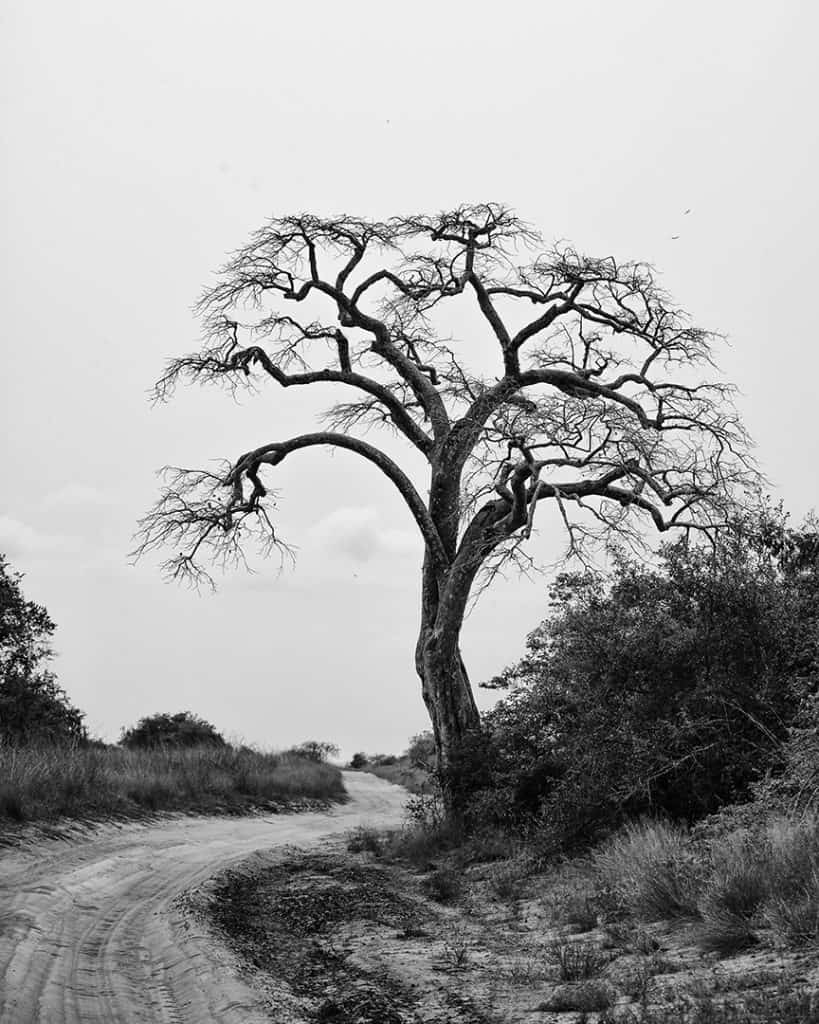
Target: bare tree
596,403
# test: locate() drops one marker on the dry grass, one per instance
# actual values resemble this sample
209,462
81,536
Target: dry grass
411,777
576,961
738,887
48,783
650,870
585,996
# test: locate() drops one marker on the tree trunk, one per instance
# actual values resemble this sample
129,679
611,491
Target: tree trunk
446,690
453,712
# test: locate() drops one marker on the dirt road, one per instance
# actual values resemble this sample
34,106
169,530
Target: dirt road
89,928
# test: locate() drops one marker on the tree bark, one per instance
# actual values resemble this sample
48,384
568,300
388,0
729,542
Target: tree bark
445,686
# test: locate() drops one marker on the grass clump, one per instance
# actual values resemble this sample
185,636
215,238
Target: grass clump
649,870
782,1004
507,881
576,961
766,879
737,884
46,783
586,997
444,885
366,839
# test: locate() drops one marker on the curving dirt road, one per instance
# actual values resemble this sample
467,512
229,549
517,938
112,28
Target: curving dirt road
89,929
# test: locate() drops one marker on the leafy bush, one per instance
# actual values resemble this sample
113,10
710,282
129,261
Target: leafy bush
183,729
384,760
660,690
316,750
421,751
32,705
358,760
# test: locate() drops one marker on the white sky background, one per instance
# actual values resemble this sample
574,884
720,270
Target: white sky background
144,141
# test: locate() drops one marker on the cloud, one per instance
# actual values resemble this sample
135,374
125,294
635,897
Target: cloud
75,494
358,534
18,539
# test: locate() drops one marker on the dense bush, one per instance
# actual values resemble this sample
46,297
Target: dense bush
183,729
659,689
316,750
421,751
32,705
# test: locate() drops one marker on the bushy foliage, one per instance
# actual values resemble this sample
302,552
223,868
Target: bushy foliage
316,750
359,759
183,729
660,689
384,760
421,751
32,706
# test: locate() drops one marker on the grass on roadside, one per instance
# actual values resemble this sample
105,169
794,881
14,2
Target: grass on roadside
735,885
411,777
40,783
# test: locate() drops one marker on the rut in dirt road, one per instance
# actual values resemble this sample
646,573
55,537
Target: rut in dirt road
89,930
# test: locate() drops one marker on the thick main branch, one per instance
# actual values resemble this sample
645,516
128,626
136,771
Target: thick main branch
275,453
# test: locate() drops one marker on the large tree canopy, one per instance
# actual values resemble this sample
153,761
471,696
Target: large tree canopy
599,397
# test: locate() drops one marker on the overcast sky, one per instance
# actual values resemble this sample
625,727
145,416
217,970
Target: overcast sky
143,141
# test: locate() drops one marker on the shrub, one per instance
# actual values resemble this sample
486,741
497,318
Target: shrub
384,760
316,750
358,760
33,708
183,729
421,751
663,690
421,845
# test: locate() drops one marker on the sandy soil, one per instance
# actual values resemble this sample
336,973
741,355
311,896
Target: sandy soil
346,938
92,928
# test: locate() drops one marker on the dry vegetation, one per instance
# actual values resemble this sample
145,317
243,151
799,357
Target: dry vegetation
49,782
424,923
400,773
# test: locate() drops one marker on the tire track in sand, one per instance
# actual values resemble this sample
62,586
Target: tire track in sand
89,931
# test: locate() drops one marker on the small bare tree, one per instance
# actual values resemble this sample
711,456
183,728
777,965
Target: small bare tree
595,403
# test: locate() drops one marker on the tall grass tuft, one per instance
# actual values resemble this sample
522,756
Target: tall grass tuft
738,885
46,783
648,870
